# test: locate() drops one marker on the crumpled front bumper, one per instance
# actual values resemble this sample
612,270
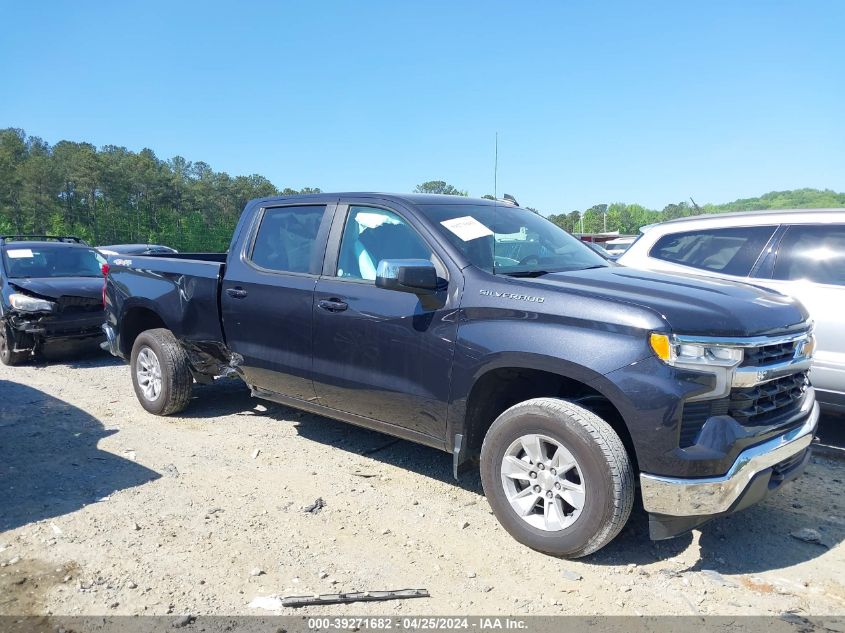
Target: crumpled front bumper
677,505
30,330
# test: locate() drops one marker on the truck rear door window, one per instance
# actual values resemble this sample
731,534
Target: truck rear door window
286,238
731,251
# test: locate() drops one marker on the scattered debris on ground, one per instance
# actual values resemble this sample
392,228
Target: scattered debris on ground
353,596
315,507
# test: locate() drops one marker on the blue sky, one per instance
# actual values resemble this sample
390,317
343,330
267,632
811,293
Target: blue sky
648,102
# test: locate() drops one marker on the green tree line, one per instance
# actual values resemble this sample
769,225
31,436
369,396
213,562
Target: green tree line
628,218
113,195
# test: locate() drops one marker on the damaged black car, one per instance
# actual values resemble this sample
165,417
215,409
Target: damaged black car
51,291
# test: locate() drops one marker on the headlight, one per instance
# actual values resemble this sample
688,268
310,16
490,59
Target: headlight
25,303
673,353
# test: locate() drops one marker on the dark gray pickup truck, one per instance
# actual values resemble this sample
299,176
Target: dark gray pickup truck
484,330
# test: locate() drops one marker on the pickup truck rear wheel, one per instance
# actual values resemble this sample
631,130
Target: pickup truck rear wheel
557,477
161,373
7,345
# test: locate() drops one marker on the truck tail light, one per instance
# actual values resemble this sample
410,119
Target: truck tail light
105,269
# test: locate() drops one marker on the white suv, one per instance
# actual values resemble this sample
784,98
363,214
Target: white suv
796,252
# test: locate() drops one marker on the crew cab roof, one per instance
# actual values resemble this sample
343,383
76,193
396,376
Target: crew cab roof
412,198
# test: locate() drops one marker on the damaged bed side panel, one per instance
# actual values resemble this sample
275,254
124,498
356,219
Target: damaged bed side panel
183,294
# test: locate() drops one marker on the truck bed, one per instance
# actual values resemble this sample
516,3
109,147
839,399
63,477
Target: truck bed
202,257
183,289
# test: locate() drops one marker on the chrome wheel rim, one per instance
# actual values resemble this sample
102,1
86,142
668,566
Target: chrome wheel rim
543,482
148,372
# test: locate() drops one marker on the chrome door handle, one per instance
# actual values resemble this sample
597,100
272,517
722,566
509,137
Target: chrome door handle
236,293
333,305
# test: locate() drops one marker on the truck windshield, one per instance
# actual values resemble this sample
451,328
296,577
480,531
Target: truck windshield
22,261
508,240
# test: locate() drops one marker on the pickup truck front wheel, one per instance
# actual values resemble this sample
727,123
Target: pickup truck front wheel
557,477
161,374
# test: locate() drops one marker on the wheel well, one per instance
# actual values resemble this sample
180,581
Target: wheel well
500,389
135,321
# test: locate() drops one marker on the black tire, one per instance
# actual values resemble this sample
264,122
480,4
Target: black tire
176,378
7,356
608,476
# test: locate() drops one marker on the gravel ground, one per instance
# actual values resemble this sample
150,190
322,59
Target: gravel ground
105,509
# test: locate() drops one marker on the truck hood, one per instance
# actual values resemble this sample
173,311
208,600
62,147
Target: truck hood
689,304
56,287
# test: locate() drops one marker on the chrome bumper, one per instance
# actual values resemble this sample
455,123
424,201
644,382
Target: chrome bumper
110,344
714,495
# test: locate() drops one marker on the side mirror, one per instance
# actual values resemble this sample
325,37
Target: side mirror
417,276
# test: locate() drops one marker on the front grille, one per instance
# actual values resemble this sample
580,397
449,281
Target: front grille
767,404
768,354
71,305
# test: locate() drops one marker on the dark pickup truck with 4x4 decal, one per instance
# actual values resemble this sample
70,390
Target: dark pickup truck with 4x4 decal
484,330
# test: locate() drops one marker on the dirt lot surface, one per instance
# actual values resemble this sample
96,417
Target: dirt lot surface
105,509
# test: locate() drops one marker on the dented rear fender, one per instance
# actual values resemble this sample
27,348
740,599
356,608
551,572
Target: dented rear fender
212,358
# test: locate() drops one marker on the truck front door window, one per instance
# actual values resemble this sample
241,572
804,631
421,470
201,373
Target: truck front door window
372,235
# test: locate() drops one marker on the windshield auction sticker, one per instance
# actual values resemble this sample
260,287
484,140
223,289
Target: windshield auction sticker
467,228
18,253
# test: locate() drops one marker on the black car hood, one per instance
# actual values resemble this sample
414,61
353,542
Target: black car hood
705,306
55,287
